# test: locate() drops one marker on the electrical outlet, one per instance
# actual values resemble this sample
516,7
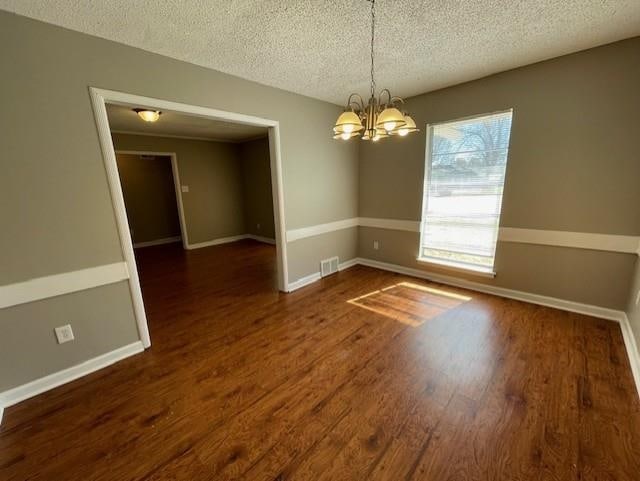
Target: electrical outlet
258,226
638,297
64,334
184,188
376,245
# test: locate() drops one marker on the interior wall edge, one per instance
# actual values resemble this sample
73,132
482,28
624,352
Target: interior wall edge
632,349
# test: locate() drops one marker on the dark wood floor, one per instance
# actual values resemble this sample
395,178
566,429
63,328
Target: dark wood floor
364,375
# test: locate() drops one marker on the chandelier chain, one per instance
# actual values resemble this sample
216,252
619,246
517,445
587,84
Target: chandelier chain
373,31
373,120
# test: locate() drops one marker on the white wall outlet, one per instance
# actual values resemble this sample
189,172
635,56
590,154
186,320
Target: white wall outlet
376,245
638,297
184,188
64,334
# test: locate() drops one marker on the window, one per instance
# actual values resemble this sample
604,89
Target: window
464,178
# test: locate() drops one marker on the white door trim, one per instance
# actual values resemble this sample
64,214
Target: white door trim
99,98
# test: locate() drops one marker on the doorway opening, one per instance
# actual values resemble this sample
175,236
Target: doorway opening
201,211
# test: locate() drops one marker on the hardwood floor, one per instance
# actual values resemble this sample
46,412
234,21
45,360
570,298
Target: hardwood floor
363,375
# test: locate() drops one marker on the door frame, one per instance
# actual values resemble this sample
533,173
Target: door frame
99,99
177,187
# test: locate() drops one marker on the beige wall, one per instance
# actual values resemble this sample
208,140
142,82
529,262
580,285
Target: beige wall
258,199
55,202
633,309
214,205
229,184
545,270
150,196
573,166
342,243
102,320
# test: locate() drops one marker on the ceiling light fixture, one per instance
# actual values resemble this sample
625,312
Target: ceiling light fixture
377,119
148,115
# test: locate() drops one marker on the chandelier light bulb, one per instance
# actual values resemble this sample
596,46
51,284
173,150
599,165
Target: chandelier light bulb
389,126
402,132
346,135
348,128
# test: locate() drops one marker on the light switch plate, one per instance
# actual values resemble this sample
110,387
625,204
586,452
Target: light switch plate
64,334
376,245
184,188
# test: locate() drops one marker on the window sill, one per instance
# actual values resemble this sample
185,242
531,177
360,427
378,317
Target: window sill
454,266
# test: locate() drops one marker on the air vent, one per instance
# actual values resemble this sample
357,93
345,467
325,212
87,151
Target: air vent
328,266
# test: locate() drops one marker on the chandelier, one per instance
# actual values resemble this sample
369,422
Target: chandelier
383,116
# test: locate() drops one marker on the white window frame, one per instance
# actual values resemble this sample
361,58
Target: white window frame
454,266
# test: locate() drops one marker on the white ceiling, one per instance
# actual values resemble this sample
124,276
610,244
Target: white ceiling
124,119
320,48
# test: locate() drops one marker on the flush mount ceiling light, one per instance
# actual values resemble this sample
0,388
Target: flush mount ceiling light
377,119
148,115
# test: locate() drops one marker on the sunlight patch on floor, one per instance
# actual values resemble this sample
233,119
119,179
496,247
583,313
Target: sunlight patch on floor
409,303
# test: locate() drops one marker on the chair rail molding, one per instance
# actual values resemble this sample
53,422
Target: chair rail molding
60,284
578,240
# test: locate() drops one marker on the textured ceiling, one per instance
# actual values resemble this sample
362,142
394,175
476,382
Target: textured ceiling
320,48
124,119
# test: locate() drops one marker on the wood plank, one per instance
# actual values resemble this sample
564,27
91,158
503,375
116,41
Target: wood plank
413,381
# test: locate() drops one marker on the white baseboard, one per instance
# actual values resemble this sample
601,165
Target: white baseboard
303,281
259,238
215,242
33,388
226,240
311,278
157,242
588,309
346,264
632,349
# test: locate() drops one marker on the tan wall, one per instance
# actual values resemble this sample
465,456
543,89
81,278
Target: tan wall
573,166
258,199
342,243
633,309
150,196
102,320
546,270
55,202
214,205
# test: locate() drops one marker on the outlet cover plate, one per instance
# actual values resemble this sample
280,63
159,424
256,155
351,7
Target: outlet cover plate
64,334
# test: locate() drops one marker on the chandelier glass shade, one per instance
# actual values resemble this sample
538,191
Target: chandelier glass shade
383,116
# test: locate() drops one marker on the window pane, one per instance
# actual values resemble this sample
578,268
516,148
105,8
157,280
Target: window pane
463,190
